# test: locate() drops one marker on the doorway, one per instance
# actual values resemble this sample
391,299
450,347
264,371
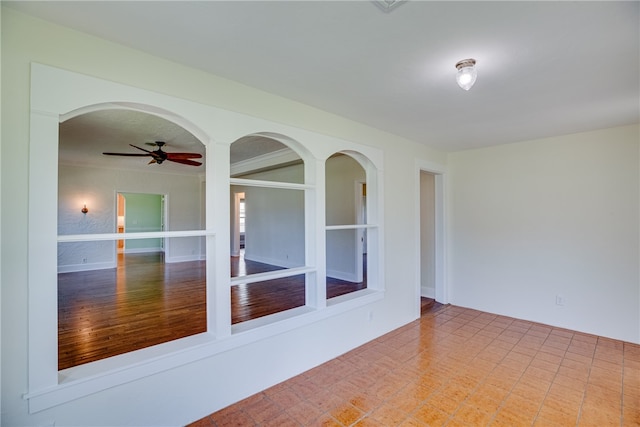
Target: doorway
427,235
140,213
120,222
430,244
238,223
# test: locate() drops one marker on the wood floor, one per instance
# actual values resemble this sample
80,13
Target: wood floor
145,302
273,296
429,305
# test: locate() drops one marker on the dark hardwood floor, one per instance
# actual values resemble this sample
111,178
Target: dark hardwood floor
144,302
141,303
250,301
429,305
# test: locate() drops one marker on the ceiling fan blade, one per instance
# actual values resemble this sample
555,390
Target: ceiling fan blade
185,162
146,151
127,154
184,156
158,156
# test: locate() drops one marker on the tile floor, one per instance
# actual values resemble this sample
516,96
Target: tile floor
458,367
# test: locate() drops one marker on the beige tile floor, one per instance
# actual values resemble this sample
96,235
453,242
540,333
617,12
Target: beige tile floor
458,367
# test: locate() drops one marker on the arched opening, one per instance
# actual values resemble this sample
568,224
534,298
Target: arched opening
351,228
269,201
152,289
215,128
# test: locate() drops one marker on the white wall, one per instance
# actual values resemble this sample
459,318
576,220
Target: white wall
526,220
555,217
0,227
274,228
183,394
342,173
98,188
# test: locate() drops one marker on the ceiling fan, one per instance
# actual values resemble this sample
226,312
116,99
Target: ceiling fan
158,156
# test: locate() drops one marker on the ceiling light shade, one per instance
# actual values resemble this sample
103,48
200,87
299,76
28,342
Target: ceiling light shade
467,73
387,5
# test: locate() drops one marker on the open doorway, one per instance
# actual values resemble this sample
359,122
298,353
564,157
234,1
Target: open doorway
139,213
238,224
427,235
430,274
120,220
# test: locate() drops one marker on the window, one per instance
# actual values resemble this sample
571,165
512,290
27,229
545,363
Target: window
242,214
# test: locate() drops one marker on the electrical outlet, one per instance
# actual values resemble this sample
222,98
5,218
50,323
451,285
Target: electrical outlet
84,260
560,300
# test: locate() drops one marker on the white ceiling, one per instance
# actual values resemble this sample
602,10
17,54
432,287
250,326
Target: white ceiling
83,139
544,68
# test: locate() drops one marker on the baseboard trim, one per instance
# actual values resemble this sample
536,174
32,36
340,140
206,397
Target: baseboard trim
86,267
427,292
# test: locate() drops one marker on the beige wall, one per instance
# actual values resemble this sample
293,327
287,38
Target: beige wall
98,187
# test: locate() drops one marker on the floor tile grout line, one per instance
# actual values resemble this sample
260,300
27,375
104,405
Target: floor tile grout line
424,401
511,390
584,393
622,398
449,380
546,393
452,416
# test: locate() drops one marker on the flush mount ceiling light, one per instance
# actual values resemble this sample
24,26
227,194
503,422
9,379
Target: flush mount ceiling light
387,5
467,73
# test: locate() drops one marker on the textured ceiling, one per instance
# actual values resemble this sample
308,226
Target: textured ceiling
544,68
83,139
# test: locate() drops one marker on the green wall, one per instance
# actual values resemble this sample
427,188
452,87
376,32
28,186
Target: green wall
143,213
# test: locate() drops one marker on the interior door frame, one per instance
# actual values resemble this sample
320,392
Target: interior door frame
164,243
441,238
235,223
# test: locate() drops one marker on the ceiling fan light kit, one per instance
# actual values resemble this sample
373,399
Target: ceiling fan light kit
467,74
158,156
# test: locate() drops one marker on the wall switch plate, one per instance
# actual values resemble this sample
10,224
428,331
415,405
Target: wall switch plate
560,300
